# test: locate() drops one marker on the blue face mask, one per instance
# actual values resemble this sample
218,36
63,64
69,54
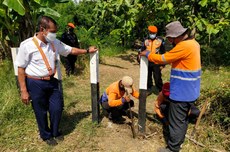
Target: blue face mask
152,36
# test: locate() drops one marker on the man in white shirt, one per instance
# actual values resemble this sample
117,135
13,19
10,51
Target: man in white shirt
36,63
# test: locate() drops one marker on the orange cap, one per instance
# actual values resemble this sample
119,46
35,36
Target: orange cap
71,24
152,29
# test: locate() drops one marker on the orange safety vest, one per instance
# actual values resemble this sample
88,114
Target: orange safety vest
153,46
51,72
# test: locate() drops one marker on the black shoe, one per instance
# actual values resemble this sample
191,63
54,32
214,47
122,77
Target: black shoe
51,142
60,137
119,120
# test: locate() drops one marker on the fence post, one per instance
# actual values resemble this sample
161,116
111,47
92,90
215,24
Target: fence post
143,91
94,77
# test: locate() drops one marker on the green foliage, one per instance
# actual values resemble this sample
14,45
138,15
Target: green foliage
120,15
18,20
219,105
112,50
11,108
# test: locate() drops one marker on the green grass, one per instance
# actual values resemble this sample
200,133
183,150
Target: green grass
112,50
18,127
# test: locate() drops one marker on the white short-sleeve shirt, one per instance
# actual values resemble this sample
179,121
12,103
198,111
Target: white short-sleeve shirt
30,58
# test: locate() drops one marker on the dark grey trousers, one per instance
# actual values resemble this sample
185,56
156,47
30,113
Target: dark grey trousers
178,123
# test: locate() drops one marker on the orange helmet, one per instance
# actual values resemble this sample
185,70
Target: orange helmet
71,25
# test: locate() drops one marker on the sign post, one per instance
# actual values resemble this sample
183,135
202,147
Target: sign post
143,91
94,77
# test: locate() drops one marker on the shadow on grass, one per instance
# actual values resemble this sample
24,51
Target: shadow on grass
78,71
114,66
157,119
132,57
68,122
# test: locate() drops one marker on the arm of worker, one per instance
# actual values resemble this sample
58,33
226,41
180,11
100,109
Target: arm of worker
114,102
25,97
169,57
135,93
77,51
159,101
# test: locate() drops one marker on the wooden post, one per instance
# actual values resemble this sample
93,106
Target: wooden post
143,91
14,52
94,77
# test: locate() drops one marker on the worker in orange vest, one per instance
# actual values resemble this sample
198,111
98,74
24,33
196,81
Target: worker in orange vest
112,99
70,38
154,44
162,105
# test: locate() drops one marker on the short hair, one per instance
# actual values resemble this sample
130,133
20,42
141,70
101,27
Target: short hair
44,22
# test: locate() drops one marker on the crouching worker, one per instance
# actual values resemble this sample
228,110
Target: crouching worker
162,105
112,99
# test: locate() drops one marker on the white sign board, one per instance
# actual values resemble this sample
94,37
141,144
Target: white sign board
143,72
94,67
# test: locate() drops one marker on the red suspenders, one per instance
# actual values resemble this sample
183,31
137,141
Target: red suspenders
51,72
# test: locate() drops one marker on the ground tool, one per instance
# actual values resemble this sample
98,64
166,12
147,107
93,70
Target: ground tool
132,124
200,115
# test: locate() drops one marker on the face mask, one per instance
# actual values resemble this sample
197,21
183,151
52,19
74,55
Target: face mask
152,36
173,43
50,37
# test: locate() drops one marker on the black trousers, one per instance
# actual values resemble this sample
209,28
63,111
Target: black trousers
116,111
193,114
178,123
70,64
155,71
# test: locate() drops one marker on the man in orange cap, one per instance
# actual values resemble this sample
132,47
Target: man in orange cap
70,38
154,44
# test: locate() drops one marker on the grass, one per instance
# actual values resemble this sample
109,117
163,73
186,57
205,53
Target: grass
18,128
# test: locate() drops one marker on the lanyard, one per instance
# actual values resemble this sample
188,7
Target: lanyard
44,57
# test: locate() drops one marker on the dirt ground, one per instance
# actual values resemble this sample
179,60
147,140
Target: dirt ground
118,137
108,137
